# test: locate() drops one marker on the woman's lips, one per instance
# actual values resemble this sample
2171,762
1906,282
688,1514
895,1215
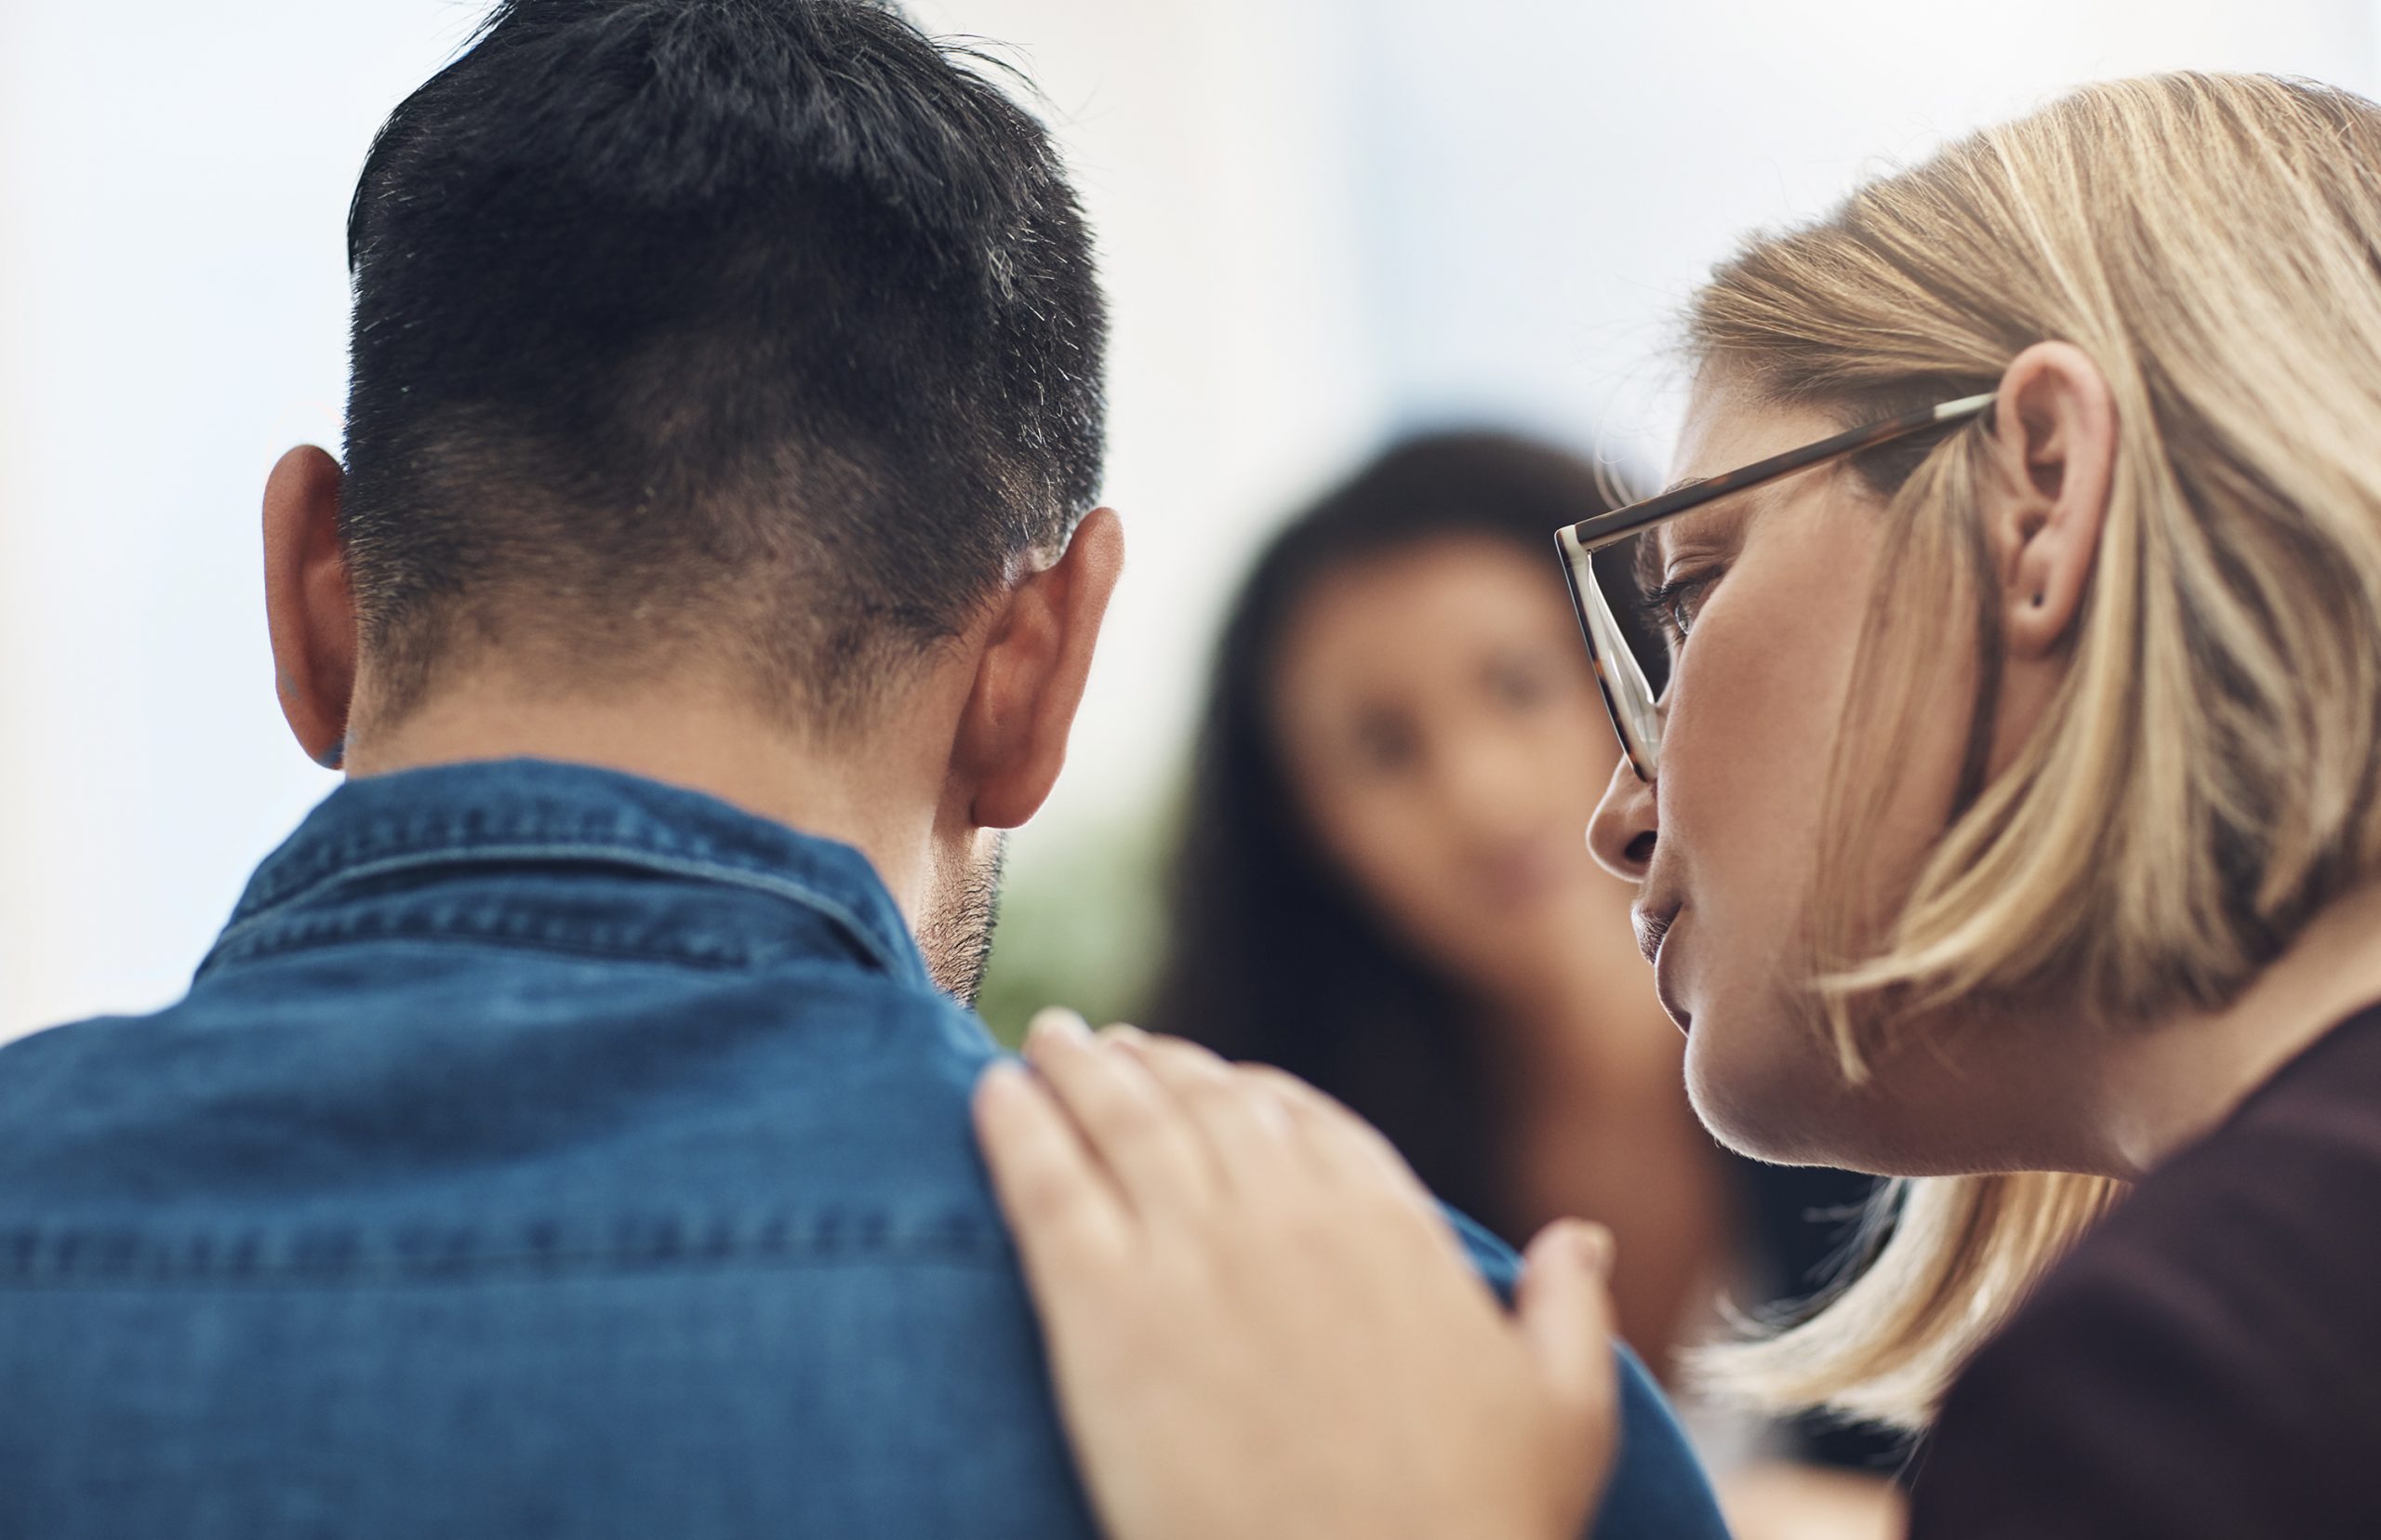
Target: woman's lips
1651,927
1655,930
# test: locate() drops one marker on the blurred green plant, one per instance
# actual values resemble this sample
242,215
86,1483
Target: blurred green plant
1081,925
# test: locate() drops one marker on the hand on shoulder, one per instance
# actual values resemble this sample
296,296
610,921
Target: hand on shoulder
1261,1325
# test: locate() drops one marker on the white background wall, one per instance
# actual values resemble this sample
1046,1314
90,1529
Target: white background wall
1323,221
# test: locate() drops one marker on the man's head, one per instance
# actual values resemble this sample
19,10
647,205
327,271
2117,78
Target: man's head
748,350
758,325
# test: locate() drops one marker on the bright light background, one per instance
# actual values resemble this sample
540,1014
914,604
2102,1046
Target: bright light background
1324,221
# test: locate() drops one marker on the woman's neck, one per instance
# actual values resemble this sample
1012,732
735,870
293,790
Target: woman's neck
2166,1086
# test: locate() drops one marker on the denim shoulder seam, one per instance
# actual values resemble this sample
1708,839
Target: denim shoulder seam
841,915
523,1271
68,1256
453,937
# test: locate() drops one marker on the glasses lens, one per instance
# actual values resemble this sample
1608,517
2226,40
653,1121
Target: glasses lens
1621,674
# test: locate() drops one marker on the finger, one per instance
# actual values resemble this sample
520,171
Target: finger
1130,1123
1356,1164
1566,1318
1348,1148
1245,1126
1062,1208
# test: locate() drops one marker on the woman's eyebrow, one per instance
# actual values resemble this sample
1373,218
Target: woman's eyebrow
1649,544
1721,521
1649,565
1731,506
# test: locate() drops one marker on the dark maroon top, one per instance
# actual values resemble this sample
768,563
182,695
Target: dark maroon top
2208,1365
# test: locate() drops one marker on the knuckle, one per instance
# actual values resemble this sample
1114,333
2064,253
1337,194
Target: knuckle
1105,1102
1184,1051
1043,1191
1135,1128
1281,1082
1214,1093
1186,1063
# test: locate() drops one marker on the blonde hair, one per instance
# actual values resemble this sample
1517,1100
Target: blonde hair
2206,779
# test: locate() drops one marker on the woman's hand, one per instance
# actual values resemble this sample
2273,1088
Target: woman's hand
1260,1323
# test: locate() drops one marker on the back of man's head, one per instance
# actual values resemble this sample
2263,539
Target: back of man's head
760,335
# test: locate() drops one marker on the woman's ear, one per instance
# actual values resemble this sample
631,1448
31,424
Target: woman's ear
2054,446
309,606
1021,706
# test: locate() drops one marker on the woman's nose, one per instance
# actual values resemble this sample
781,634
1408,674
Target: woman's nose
1621,835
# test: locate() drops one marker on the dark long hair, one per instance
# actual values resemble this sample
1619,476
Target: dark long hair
1275,956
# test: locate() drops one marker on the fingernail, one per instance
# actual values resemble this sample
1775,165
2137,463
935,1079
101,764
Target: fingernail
1056,1021
1594,1245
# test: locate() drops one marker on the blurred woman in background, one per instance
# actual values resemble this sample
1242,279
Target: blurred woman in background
1382,887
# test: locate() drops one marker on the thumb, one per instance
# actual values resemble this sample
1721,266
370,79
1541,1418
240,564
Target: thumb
1565,1309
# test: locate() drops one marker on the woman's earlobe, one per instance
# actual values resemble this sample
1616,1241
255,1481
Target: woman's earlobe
2037,610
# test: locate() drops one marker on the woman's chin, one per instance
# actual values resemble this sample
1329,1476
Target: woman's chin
1800,1111
1768,1089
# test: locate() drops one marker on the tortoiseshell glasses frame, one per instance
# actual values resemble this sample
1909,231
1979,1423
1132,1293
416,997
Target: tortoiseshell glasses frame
1636,712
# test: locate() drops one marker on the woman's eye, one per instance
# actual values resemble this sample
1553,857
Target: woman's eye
1673,605
1385,747
1521,684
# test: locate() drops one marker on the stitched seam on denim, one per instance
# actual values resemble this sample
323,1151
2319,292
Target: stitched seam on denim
459,830
798,892
431,936
36,1258
470,941
574,1270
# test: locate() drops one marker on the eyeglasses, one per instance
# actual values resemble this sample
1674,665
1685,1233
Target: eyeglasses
1621,674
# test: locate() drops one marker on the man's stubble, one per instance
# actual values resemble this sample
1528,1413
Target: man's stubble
955,932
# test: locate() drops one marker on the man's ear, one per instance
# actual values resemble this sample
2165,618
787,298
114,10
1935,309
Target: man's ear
308,604
1013,733
2055,448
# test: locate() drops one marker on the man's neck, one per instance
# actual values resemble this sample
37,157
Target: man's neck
701,738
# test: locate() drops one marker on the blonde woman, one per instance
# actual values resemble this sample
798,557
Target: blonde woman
2011,824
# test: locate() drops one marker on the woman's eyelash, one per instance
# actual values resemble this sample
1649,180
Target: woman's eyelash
1668,607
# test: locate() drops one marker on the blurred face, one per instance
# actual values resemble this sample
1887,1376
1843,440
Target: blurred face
1441,732
1772,591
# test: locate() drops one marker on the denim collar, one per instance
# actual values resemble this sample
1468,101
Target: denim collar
418,824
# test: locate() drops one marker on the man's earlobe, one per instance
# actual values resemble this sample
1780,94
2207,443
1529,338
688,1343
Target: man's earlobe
309,606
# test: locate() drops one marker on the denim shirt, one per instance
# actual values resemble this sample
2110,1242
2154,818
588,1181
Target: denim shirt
542,1151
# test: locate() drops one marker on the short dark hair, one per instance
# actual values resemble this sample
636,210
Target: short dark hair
761,328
